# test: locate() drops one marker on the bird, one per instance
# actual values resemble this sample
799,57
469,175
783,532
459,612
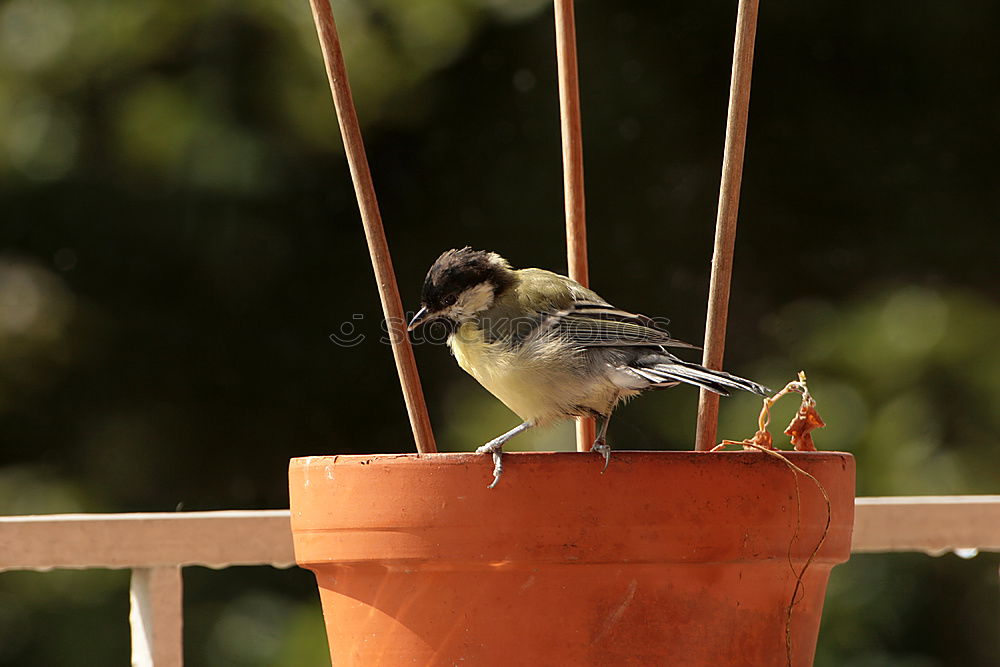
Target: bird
549,348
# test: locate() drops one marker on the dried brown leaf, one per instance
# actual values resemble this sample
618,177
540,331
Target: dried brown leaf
804,421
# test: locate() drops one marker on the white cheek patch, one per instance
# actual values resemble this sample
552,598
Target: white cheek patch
474,300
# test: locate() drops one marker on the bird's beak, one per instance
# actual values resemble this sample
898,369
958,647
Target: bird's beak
422,315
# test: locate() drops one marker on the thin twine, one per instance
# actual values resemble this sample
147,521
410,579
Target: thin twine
762,442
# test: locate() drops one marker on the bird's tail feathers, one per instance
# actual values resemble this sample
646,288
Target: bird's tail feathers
691,373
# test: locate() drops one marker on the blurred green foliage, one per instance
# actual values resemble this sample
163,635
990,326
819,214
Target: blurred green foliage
179,239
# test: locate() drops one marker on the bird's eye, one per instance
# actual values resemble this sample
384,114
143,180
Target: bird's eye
450,300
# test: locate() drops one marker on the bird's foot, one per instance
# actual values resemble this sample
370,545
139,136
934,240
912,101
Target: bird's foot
494,447
602,448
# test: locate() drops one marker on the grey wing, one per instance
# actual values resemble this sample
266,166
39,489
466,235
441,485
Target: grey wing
595,324
632,348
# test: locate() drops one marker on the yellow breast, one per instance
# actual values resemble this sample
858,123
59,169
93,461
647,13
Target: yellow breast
539,381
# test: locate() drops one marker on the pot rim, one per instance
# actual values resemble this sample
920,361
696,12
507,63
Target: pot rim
552,507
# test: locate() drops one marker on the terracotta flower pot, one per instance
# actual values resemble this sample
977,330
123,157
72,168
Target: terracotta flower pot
669,558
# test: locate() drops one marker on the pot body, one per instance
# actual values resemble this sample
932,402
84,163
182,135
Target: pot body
669,558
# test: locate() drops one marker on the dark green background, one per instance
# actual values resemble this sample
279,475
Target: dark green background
179,239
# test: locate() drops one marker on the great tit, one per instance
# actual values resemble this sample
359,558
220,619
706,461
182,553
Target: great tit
549,348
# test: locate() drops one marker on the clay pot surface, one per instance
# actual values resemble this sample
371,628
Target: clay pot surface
668,558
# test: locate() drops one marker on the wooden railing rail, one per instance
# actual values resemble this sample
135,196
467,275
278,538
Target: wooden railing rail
155,546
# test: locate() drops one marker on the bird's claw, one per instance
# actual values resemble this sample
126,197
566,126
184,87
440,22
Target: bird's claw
497,468
604,450
496,449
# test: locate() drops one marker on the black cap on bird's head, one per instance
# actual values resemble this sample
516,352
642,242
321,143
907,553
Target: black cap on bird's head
461,283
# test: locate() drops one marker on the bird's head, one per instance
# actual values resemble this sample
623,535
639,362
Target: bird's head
461,284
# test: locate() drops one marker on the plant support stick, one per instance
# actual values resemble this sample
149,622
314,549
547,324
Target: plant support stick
371,219
725,226
572,154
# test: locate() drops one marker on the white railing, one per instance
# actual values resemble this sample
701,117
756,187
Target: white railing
156,546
